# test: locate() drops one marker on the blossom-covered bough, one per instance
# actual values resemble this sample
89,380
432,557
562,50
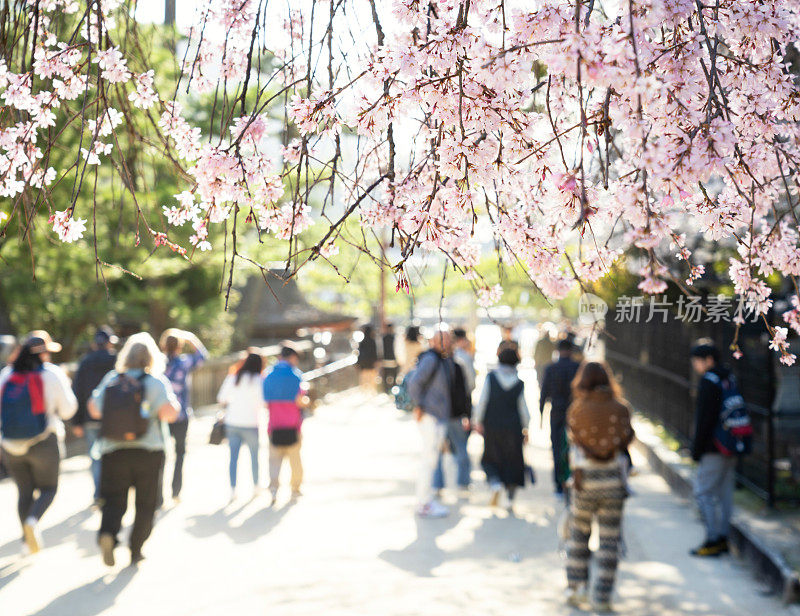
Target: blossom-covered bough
581,130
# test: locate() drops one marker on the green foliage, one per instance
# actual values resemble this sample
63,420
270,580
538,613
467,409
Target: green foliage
115,274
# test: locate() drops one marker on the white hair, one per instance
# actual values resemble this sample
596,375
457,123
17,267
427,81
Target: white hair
141,352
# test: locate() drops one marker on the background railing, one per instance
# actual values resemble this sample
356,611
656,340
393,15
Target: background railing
206,379
335,376
652,360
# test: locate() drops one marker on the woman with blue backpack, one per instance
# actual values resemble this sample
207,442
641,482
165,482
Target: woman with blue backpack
35,396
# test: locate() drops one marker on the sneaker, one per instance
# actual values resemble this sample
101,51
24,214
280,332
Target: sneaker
136,558
32,535
576,597
433,509
722,542
710,548
107,545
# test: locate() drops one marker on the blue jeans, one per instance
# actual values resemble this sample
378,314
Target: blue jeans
92,436
457,438
714,484
237,436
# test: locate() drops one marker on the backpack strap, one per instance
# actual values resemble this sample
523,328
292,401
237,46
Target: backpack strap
433,373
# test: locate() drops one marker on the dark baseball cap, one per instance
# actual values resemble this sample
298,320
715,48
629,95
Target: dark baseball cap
104,335
703,348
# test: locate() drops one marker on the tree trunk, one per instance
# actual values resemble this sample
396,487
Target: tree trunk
169,12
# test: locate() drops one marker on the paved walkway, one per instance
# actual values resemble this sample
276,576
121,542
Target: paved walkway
351,545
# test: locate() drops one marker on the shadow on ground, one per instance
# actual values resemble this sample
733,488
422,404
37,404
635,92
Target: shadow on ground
94,597
261,522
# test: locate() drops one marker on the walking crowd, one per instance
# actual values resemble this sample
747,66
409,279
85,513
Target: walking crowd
132,406
590,432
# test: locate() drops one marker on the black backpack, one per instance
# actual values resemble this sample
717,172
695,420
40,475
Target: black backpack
122,409
461,405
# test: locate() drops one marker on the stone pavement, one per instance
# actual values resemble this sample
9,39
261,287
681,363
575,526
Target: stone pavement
351,546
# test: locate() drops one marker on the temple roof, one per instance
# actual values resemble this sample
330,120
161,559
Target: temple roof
279,310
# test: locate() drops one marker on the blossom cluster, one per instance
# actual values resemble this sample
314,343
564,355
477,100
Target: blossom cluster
583,134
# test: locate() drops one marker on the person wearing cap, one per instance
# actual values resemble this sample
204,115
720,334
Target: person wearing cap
556,389
715,479
92,368
179,368
285,394
35,396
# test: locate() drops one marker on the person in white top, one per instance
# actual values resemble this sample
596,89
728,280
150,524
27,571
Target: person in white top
35,396
242,394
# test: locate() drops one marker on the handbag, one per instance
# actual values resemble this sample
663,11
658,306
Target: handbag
217,431
283,437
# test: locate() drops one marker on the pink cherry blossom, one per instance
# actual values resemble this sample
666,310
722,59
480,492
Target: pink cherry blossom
619,149
68,228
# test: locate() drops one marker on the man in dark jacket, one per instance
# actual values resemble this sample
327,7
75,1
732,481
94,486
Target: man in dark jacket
556,388
91,370
367,360
716,474
389,358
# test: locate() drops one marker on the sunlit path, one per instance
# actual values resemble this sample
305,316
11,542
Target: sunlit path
351,544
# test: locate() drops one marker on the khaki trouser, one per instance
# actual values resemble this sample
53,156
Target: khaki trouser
277,453
368,380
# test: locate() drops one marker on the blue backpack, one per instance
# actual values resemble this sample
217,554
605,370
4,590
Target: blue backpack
402,399
733,434
22,411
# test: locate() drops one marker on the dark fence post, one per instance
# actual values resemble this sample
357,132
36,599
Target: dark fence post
771,457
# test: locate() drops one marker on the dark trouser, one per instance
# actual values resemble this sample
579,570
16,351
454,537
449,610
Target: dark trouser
178,431
558,442
124,469
35,470
389,377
